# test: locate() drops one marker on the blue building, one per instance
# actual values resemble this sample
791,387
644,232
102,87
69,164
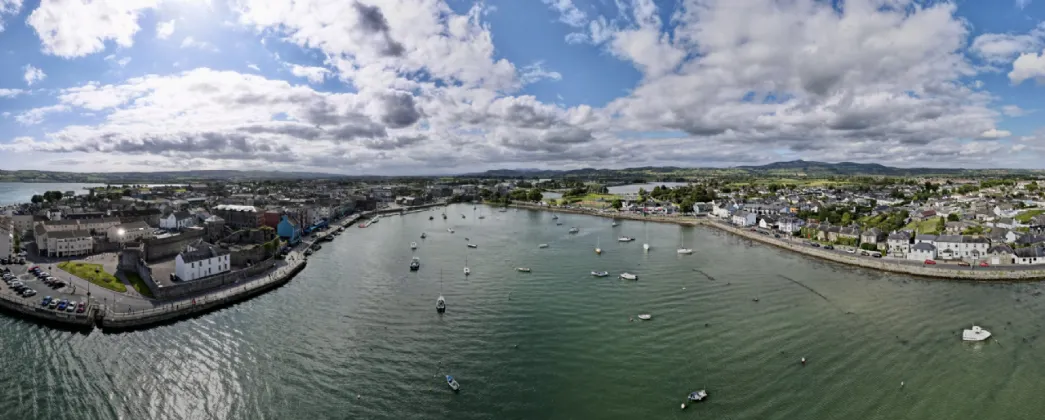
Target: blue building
289,231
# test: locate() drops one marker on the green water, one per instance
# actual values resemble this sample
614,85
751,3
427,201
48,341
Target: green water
356,336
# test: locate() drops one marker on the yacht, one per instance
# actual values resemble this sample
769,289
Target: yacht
625,239
440,304
473,246
645,317
450,230
413,245
542,246
698,396
682,247
467,271
415,264
574,230
598,250
614,224
600,273
423,235
523,270
628,276
452,383
975,334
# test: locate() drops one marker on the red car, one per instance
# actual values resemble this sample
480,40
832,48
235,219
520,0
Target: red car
930,262
80,308
983,264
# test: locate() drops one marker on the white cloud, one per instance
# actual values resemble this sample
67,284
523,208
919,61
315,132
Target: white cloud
10,93
995,134
1002,48
1028,66
314,75
36,115
33,75
190,42
123,62
568,12
535,72
254,67
8,7
164,30
1013,111
75,28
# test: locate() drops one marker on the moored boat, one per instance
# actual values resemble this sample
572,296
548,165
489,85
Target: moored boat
625,239
696,396
415,264
645,317
975,334
413,245
523,270
628,276
440,304
574,230
453,383
450,230
542,246
600,273
473,246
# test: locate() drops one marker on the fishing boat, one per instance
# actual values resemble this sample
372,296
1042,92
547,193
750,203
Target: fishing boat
975,334
423,235
413,245
450,230
453,383
625,239
574,230
628,276
431,218
600,273
440,304
542,246
473,246
523,270
682,247
415,264
645,317
697,396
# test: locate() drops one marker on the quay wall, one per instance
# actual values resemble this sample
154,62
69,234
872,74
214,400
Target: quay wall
181,289
30,308
865,262
191,307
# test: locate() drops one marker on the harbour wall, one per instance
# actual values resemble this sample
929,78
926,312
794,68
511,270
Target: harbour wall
30,308
991,274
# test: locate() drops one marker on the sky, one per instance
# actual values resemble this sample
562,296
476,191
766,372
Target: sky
404,87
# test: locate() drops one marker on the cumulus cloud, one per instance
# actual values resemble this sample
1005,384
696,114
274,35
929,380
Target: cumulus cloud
10,93
995,134
568,12
1028,66
8,7
33,75
1013,111
190,42
536,72
75,28
254,67
121,62
1002,48
164,30
36,115
313,74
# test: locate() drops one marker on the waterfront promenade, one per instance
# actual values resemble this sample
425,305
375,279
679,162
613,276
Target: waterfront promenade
915,268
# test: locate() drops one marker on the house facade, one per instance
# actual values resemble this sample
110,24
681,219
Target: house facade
129,232
69,243
898,244
238,217
1000,255
1030,255
957,247
743,218
201,261
790,224
289,231
178,220
922,251
6,242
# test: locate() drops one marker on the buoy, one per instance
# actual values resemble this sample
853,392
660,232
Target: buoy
683,406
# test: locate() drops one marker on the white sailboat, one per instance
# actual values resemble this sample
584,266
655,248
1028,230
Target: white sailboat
682,246
413,245
645,246
467,270
597,249
440,303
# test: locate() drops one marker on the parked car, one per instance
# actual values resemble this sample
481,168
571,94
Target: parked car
58,284
776,235
983,264
850,250
963,263
47,301
70,307
829,247
81,308
28,293
930,262
53,304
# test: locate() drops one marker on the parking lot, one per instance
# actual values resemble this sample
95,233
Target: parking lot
34,287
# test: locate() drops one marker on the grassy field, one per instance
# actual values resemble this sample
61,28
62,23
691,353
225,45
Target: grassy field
138,284
925,226
93,273
1027,215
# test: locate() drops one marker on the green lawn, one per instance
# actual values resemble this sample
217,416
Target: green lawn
93,273
1027,215
925,226
138,283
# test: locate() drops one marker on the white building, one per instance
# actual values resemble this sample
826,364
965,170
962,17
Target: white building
957,247
743,218
177,220
22,222
1030,255
922,251
129,232
790,224
67,243
898,244
767,222
201,261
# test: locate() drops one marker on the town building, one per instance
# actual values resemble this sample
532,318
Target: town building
922,251
129,232
957,247
743,218
1000,255
1030,255
238,216
289,231
201,261
898,244
7,241
68,243
178,220
790,224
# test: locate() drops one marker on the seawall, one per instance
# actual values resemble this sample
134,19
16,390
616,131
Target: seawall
991,274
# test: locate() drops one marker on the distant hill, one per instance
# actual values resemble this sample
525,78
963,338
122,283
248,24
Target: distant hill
812,168
157,177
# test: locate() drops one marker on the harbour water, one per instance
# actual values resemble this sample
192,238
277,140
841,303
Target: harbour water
22,192
356,335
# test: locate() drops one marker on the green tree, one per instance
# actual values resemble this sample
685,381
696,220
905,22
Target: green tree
37,198
953,217
535,195
847,219
940,225
617,204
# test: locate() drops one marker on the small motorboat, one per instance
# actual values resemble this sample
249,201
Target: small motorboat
473,246
697,396
423,235
628,276
600,273
645,317
413,245
415,264
685,251
542,246
462,216
975,334
625,239
482,217
523,270
308,252
645,247
450,230
558,223
555,217
598,251
440,304
574,230
431,218
453,383
444,216
467,271
614,224
503,210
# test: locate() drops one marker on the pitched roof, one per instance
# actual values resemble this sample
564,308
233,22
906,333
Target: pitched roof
923,246
201,252
1031,252
1000,249
66,234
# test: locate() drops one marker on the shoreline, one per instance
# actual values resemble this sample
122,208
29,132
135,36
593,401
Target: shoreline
883,265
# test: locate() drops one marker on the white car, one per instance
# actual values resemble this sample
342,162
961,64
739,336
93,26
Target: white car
851,250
